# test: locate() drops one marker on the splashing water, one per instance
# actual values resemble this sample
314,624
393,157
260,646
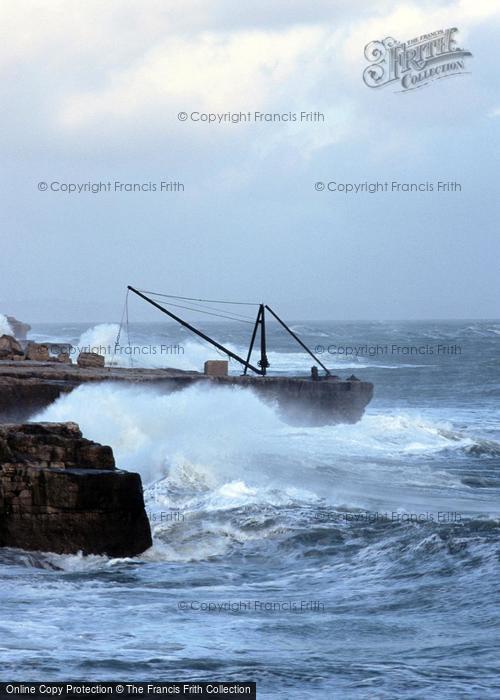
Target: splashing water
220,447
190,355
5,327
199,427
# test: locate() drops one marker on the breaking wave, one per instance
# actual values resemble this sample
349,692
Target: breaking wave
190,355
5,327
215,448
199,429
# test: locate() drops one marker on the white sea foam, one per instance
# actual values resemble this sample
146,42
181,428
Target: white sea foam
191,434
80,563
128,352
5,327
224,445
102,336
206,452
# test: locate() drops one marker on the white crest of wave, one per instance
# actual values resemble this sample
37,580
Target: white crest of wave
200,436
80,563
207,449
389,434
5,327
102,338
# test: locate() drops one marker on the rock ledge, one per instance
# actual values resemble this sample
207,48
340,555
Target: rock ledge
62,493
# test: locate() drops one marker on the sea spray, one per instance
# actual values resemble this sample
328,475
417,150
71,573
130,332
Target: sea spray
5,327
101,337
195,434
220,447
123,349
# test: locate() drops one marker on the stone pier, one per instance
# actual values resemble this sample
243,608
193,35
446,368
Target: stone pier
26,387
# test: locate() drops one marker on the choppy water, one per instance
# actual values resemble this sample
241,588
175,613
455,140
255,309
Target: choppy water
384,535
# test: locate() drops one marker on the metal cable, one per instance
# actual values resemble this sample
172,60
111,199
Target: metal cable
210,301
209,313
226,314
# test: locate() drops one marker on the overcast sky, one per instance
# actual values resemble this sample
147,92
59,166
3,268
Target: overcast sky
91,91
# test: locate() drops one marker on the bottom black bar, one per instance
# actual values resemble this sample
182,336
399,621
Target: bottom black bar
180,690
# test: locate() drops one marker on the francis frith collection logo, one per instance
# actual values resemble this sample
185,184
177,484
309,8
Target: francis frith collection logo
415,63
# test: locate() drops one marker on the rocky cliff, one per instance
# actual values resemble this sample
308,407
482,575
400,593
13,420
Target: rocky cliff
62,493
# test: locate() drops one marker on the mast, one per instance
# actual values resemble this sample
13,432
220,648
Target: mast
252,341
263,362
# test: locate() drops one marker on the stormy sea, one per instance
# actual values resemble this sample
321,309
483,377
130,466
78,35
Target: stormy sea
342,561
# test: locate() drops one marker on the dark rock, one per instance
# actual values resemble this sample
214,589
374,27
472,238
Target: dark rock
90,359
37,352
64,358
10,349
62,493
